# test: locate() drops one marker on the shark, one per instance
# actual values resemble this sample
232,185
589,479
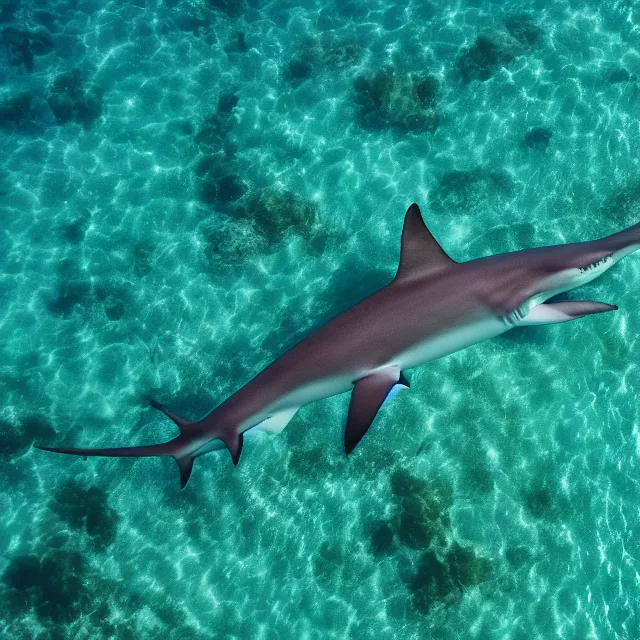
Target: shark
434,306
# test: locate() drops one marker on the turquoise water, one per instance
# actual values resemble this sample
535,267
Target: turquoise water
188,188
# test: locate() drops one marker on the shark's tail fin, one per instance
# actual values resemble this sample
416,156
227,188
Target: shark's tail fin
180,448
172,448
231,438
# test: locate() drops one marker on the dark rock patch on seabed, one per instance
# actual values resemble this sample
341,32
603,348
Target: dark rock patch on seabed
218,187
538,502
238,44
18,113
443,580
537,138
488,53
143,258
257,223
113,302
73,99
619,75
53,585
23,45
250,222
73,289
228,188
230,242
231,8
114,308
324,53
218,184
464,191
8,9
190,23
213,134
74,232
422,511
59,587
278,214
498,48
47,19
546,504
334,54
298,70
69,295
381,537
329,563
227,102
88,510
421,523
15,440
522,28
403,102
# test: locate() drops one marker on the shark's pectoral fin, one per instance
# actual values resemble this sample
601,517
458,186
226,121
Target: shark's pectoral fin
185,464
564,311
366,399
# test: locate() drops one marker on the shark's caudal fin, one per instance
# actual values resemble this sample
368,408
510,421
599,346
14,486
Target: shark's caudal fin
181,422
180,448
171,448
231,438
420,253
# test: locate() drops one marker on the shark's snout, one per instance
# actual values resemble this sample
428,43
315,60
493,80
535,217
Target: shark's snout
576,270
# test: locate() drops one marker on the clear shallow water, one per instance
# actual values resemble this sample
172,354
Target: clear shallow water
192,201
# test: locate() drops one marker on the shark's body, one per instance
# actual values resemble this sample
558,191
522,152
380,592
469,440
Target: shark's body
433,307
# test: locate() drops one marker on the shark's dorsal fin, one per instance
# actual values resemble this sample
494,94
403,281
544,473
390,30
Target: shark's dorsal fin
420,253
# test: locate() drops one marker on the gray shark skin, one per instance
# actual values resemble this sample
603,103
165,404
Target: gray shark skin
433,307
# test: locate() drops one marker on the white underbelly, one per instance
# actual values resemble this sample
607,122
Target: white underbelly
316,390
275,417
449,342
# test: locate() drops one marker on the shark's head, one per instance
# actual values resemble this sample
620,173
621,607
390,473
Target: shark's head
573,265
530,277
